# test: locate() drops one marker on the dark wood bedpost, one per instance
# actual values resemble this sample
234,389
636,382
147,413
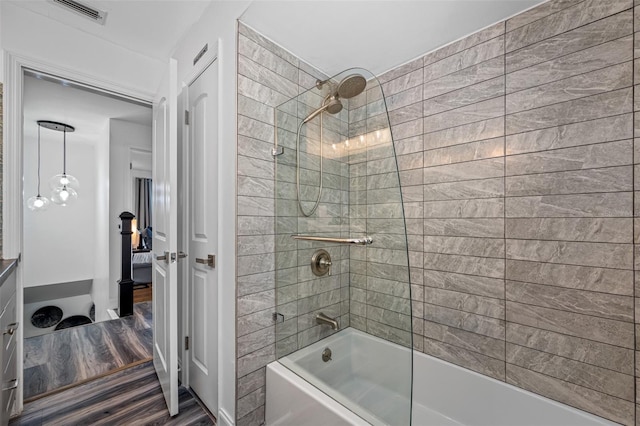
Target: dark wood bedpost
125,287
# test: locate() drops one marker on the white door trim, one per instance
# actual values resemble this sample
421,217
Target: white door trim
12,206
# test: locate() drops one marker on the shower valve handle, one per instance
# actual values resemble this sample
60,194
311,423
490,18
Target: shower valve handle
325,263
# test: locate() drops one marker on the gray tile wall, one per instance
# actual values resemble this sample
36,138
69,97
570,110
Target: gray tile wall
525,149
516,153
379,279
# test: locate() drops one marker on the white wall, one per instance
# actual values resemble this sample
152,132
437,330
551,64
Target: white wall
28,34
123,137
217,27
59,244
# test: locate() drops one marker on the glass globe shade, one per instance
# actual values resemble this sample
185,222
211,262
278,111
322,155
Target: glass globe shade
38,203
61,180
64,196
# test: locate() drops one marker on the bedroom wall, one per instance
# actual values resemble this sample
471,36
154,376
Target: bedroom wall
123,136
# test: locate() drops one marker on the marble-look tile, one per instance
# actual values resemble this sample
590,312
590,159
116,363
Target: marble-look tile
539,12
267,58
468,359
484,247
464,339
481,130
254,341
483,188
575,348
401,70
610,179
255,206
589,108
256,283
261,93
255,302
404,98
562,21
591,401
582,157
255,129
602,330
604,255
255,225
462,97
479,208
404,114
583,133
471,284
391,303
592,377
587,84
403,82
467,58
489,307
612,281
581,38
468,114
606,230
479,169
251,382
613,204
582,61
483,266
466,77
408,129
465,227
489,148
584,302
266,43
392,334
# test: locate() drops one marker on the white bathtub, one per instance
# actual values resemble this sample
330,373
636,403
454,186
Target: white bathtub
374,375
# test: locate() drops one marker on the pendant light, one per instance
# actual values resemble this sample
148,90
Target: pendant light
63,185
38,203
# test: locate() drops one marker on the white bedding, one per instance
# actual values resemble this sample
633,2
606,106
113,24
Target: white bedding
142,258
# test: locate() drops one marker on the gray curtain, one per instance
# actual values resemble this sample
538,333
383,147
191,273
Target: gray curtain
143,203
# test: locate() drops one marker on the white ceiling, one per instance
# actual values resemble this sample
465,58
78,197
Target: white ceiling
375,35
88,112
149,27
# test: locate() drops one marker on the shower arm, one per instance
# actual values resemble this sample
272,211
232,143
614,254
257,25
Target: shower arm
354,241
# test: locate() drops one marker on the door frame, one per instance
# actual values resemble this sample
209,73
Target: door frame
12,174
183,131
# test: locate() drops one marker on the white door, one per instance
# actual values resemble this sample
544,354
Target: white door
165,291
203,237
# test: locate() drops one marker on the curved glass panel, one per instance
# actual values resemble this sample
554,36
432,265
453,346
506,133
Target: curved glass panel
342,284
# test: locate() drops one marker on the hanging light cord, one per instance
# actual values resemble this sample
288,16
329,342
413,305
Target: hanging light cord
64,151
38,161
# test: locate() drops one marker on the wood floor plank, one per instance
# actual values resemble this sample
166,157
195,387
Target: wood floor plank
62,358
129,397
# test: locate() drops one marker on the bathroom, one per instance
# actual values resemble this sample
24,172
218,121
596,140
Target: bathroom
459,177
506,156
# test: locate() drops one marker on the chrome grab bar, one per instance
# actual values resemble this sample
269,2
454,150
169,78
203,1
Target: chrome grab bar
355,241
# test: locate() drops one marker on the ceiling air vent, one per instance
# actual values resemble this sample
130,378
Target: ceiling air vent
95,15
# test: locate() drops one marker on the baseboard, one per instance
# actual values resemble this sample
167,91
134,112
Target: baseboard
224,419
112,314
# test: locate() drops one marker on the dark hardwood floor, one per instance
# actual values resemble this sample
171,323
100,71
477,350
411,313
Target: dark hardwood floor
128,397
67,357
142,294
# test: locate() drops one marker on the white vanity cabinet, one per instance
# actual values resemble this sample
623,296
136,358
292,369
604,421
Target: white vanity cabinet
9,327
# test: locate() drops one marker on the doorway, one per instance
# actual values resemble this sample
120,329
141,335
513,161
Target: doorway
71,253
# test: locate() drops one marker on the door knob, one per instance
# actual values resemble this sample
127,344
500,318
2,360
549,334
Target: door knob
182,255
210,261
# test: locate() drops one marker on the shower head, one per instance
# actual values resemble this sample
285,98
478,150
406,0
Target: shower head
350,86
331,104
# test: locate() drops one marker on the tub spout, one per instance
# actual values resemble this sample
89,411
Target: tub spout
323,319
